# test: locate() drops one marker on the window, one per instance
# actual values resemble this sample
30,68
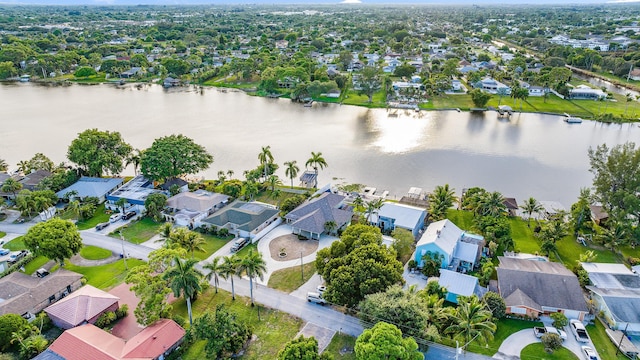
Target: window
52,298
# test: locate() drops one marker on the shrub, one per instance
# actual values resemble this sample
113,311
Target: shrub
633,261
551,342
122,311
106,319
412,264
224,232
559,320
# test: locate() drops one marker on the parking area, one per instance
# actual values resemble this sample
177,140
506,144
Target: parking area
322,334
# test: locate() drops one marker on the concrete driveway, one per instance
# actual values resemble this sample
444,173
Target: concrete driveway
512,346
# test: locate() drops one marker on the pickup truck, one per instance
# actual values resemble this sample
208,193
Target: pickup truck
539,331
579,331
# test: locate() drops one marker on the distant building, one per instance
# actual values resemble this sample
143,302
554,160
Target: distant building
244,219
393,215
91,187
83,306
311,218
583,92
457,284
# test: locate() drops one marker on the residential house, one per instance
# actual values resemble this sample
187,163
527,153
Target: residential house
512,206
131,72
325,213
460,250
550,208
491,86
536,288
135,192
598,214
467,68
32,180
244,219
583,92
91,187
615,294
84,342
190,208
456,85
181,184
458,284
635,74
537,91
83,306
394,215
28,295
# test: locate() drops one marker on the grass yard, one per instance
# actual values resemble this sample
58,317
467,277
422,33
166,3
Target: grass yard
15,244
273,331
340,342
462,219
523,236
289,279
353,98
245,250
2,234
138,231
536,352
605,347
505,327
569,250
35,264
104,276
554,104
462,102
212,244
266,197
100,216
90,252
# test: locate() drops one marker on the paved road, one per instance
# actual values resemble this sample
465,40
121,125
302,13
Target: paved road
441,352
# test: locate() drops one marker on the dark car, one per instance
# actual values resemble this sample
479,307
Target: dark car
128,215
102,225
42,273
239,244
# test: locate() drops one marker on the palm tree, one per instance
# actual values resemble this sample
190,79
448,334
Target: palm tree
215,270
221,178
265,157
74,208
23,166
254,266
531,206
316,161
122,203
291,170
165,231
11,186
134,159
492,204
250,190
229,268
274,181
3,165
184,281
471,319
373,207
187,239
440,201
358,203
230,173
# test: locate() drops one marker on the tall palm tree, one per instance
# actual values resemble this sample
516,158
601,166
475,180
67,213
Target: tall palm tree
230,173
471,319
316,161
373,207
11,186
3,165
440,200
250,190
265,157
134,159
530,207
253,265
221,177
492,204
215,271
184,280
291,170
229,268
23,166
74,208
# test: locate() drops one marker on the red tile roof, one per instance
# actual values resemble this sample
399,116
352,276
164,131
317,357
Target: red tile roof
90,342
82,305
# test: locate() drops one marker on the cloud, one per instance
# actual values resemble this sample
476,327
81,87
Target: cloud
351,2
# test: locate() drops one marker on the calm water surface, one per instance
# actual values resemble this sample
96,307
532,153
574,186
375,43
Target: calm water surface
531,155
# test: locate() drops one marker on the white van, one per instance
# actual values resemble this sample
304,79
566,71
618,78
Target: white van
115,217
315,298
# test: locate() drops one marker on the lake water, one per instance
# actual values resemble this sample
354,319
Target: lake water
530,155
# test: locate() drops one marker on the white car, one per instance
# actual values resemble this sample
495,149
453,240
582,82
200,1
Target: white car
589,354
115,217
321,289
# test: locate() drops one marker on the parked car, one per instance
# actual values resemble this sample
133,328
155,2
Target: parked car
4,252
102,225
115,217
17,256
41,273
539,331
589,353
579,331
321,289
239,244
315,298
128,215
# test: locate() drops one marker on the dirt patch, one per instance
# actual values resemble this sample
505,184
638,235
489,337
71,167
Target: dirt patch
292,247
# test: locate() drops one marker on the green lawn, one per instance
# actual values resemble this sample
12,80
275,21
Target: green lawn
35,264
104,276
90,252
462,219
245,250
273,330
266,196
536,352
462,102
505,327
523,236
553,104
353,98
602,343
99,217
212,244
290,279
569,250
139,231
2,234
340,342
15,244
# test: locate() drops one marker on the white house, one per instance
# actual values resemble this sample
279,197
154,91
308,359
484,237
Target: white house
190,208
393,215
459,250
135,192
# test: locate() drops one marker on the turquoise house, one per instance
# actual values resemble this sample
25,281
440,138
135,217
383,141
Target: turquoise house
460,251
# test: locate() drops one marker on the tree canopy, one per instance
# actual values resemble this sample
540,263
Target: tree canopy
97,152
172,156
55,239
302,348
385,341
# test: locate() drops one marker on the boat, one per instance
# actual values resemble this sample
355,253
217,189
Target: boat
25,78
573,120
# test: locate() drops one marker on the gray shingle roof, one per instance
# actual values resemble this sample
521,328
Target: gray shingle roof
545,283
623,304
311,216
247,216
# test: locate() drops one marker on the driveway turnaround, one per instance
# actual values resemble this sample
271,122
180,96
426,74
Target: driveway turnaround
512,346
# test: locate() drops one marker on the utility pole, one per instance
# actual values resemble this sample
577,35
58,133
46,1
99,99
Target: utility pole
124,255
622,338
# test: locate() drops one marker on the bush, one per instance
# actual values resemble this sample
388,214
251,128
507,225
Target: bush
412,264
496,304
179,320
224,232
633,261
551,342
122,311
106,319
559,320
